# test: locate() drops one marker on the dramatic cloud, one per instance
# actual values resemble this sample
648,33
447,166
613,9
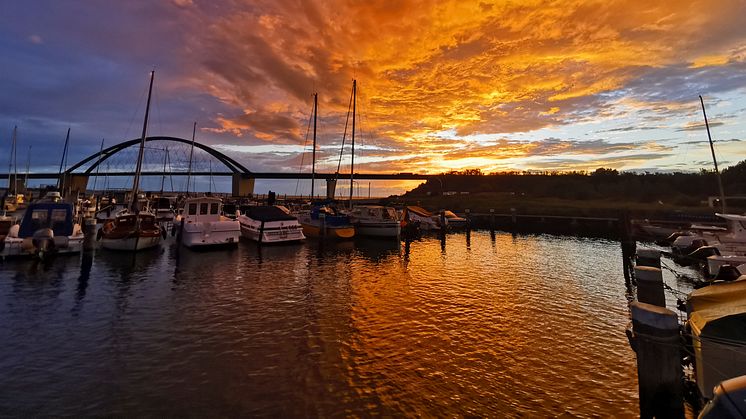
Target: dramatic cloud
441,84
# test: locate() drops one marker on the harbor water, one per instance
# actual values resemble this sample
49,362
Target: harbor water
484,326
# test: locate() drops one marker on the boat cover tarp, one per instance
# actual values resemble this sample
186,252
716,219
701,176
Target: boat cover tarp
419,211
267,213
717,317
55,215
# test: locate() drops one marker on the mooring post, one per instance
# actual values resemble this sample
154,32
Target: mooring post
322,224
443,221
650,286
261,233
467,213
89,234
656,340
513,217
492,220
648,257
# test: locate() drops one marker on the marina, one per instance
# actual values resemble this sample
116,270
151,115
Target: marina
345,327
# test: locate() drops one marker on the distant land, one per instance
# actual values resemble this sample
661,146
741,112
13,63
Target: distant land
603,192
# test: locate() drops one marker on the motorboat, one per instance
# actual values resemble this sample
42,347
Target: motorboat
452,221
202,224
419,218
326,221
728,241
375,221
269,224
48,227
715,262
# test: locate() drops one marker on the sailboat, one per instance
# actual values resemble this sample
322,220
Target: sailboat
323,220
10,201
134,228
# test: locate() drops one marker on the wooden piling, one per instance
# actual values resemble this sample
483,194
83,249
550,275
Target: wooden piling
261,233
656,340
322,224
648,257
650,286
89,234
467,212
492,220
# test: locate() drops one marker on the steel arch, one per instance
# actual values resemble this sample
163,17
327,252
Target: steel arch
231,164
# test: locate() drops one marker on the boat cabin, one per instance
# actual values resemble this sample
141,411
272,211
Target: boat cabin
204,209
57,216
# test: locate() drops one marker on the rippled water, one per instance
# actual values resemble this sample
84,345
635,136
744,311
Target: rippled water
525,325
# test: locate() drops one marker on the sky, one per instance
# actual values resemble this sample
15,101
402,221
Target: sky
442,85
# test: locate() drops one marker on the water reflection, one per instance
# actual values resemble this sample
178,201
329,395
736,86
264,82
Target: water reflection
485,324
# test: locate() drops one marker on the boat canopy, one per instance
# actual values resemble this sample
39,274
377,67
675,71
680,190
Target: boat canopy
419,211
719,310
266,213
55,215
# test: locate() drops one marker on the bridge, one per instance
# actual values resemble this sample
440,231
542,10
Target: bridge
119,161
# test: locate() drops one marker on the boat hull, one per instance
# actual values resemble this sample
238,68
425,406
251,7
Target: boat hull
131,244
272,234
382,229
210,234
18,247
332,232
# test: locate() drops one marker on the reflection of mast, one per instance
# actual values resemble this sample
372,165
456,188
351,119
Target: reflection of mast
714,160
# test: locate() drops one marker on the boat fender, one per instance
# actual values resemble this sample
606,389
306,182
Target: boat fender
727,273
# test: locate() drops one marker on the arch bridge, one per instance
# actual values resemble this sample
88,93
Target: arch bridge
173,159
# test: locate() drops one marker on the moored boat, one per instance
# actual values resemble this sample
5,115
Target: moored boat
325,221
375,221
269,224
419,217
203,225
48,227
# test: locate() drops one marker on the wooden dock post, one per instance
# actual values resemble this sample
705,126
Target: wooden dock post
89,234
492,220
648,257
467,212
656,340
650,286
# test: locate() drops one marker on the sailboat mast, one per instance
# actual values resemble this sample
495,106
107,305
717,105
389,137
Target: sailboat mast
191,153
10,158
163,178
313,152
98,165
714,160
61,179
352,161
28,166
138,169
13,162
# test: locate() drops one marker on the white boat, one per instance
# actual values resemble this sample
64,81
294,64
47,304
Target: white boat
375,221
48,227
202,224
420,218
269,224
729,241
715,262
452,221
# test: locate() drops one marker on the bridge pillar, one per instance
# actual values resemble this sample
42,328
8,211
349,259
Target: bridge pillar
331,187
73,184
243,185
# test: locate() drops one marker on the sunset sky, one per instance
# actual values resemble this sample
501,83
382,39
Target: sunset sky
443,85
